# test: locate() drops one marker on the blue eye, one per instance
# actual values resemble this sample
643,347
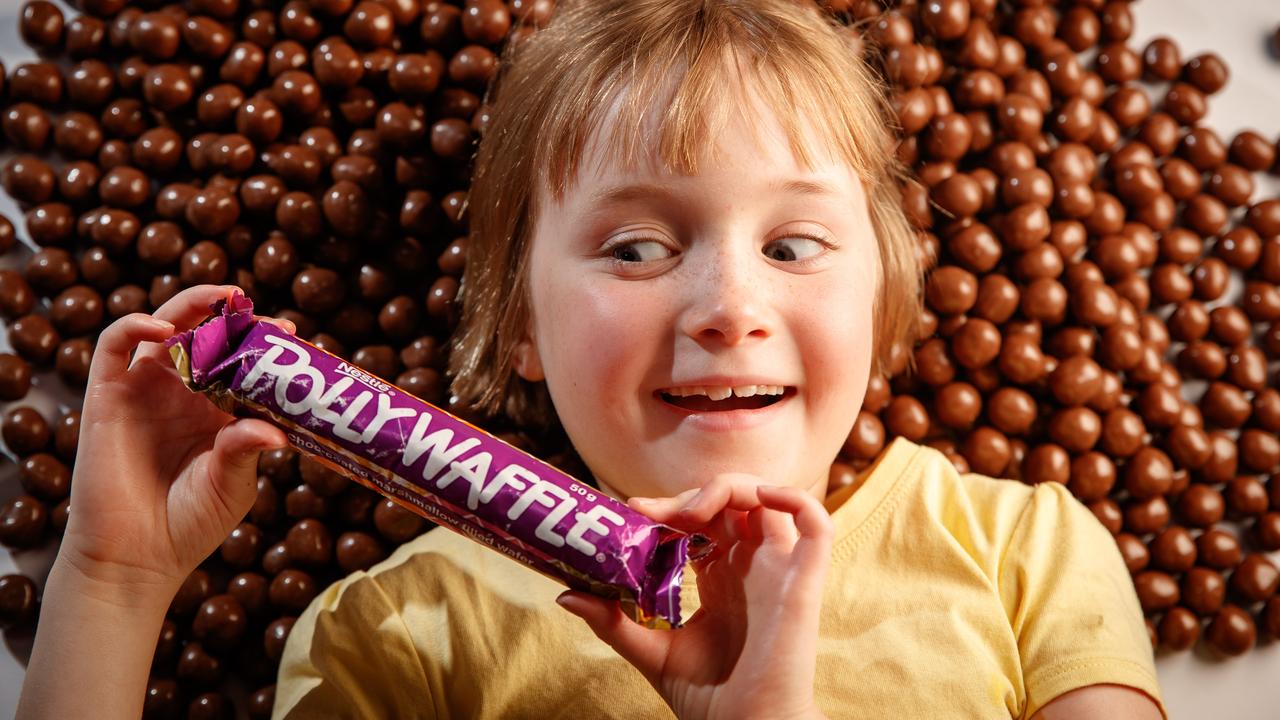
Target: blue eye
639,251
792,248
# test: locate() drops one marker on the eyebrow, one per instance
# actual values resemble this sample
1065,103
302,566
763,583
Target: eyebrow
628,193
805,187
644,191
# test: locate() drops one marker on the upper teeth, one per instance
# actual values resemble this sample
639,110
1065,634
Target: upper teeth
723,391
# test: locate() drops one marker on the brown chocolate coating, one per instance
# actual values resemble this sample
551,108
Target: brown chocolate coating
1255,579
1207,72
292,590
18,601
219,621
1179,629
395,524
242,546
1156,590
1218,549
1232,631
358,551
198,667
318,290
23,519
309,543
212,211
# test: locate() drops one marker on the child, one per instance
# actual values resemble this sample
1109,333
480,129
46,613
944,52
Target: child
686,243
672,198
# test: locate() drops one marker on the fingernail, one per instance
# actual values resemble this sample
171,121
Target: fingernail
642,501
163,325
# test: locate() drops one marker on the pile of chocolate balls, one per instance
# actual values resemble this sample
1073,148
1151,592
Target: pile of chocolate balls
1101,292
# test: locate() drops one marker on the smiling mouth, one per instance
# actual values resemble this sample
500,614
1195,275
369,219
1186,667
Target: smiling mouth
702,403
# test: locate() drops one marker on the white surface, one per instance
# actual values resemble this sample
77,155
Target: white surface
1194,686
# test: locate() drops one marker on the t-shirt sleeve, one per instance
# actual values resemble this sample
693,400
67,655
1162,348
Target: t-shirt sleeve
350,655
1071,603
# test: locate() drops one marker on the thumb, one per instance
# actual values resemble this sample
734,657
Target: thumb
233,463
644,648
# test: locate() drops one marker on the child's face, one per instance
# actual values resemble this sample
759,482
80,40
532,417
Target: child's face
706,280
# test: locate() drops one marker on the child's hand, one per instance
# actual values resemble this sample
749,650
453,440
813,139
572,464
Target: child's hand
750,650
163,475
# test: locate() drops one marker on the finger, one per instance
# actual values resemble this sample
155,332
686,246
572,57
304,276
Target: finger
185,310
111,356
644,648
732,491
661,509
233,463
282,323
772,526
812,521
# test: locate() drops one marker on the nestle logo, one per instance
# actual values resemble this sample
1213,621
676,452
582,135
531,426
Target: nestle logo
364,377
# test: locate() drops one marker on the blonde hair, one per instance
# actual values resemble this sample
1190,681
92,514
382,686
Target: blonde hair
550,97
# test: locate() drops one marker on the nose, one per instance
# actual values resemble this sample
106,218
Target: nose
727,297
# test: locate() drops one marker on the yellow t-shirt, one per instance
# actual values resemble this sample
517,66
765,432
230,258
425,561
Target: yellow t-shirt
948,596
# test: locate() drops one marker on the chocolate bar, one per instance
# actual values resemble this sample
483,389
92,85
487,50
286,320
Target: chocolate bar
434,463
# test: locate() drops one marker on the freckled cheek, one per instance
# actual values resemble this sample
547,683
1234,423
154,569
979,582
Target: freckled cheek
599,338
836,344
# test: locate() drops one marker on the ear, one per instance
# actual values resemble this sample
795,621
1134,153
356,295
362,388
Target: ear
526,361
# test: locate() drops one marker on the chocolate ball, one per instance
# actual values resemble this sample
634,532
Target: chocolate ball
19,603
1203,590
370,24
250,589
212,211
1156,590
358,551
1207,72
303,502
1093,475
1147,516
1255,579
28,179
395,524
261,701
205,263
299,216
1218,549
1173,550
168,87
1179,629
318,290
25,431
34,338
220,621
292,590
1232,631
275,636
309,543
347,208
275,560
242,546
424,383
44,476
1135,554
23,519
197,667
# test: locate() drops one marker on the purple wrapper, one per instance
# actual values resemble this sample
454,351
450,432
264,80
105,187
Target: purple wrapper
433,463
